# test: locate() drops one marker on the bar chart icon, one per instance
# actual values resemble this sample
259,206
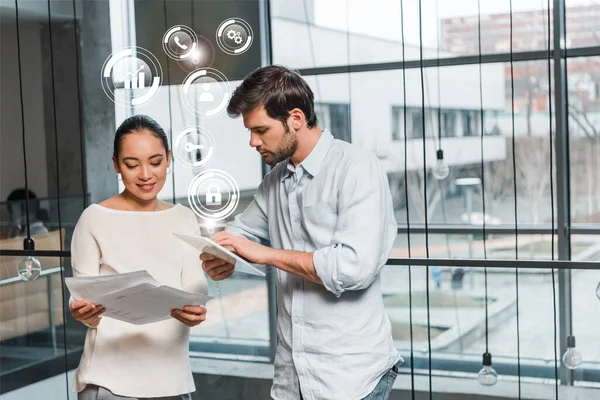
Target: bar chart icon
135,79
131,76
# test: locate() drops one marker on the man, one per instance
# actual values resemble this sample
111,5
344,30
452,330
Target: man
323,217
38,217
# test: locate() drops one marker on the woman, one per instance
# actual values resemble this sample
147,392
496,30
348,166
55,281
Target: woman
132,231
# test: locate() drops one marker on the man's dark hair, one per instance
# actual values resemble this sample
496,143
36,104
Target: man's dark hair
19,196
279,90
138,123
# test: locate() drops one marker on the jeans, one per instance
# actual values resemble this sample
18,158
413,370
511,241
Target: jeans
384,386
93,392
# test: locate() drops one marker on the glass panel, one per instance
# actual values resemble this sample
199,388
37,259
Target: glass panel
34,337
582,23
452,200
364,34
457,302
584,138
237,324
586,298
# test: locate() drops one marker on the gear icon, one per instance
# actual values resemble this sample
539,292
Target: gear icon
238,39
231,34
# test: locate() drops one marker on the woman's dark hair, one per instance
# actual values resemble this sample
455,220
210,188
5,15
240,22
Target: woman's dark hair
279,90
139,123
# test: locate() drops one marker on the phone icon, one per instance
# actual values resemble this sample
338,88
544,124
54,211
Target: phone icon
181,46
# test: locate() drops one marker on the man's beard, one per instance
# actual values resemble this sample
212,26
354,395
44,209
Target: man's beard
285,149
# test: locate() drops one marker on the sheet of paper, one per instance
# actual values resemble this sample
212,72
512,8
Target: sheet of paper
92,287
145,303
133,297
206,245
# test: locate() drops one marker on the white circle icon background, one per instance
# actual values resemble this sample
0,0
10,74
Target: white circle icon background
194,146
180,43
234,36
213,195
206,92
131,76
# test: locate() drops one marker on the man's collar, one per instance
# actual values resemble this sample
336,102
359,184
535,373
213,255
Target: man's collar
312,163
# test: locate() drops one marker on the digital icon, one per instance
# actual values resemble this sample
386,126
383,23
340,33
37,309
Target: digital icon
135,79
194,146
213,195
234,36
202,56
206,92
180,43
131,76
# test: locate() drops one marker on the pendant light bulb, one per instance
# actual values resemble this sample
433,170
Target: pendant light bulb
441,169
29,268
488,375
571,359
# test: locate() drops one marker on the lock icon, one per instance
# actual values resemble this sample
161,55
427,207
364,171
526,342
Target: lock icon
213,197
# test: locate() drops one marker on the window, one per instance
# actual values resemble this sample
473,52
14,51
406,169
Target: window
416,117
397,123
470,123
448,123
335,118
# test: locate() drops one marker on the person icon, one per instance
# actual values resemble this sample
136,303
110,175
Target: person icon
206,96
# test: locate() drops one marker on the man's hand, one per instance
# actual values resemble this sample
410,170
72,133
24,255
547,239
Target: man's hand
216,268
190,315
251,251
87,313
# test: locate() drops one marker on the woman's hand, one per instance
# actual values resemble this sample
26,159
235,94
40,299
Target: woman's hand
190,315
87,313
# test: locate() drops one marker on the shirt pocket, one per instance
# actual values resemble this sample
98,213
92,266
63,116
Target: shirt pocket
320,220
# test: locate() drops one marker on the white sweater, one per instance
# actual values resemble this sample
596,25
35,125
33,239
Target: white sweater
137,361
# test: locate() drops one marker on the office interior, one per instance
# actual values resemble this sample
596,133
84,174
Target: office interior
485,116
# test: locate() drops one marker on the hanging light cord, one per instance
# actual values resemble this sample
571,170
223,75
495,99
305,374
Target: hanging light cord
58,196
439,96
51,43
439,108
514,163
410,311
81,137
483,178
425,193
22,120
348,73
311,45
168,85
552,204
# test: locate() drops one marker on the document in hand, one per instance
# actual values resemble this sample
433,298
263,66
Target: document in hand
133,297
205,245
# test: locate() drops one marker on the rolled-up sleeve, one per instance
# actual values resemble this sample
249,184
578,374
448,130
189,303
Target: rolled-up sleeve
364,234
253,223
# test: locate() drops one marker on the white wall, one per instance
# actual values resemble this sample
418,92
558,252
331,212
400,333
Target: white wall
11,159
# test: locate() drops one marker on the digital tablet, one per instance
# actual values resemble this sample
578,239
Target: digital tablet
205,245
